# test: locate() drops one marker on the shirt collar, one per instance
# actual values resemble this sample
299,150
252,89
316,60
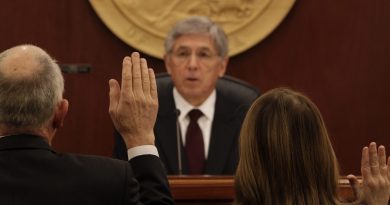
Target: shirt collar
207,107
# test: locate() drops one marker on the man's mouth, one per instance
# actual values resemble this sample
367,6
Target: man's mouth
192,79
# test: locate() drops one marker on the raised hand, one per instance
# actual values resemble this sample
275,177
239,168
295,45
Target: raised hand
375,189
134,104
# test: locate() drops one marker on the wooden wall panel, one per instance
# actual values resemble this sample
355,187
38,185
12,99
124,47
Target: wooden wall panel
334,51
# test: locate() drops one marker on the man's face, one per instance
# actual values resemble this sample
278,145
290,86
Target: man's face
195,66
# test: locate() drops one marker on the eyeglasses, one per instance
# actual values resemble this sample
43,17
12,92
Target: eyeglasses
203,55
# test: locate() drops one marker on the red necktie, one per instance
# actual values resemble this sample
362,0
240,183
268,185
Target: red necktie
194,144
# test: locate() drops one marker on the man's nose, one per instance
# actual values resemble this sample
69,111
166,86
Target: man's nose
193,61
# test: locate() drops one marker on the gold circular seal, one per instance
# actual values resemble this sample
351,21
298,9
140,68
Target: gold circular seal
144,24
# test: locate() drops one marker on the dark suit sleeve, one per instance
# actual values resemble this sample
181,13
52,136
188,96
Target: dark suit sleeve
152,179
120,150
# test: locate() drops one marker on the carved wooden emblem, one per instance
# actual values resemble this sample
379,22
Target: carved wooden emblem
143,24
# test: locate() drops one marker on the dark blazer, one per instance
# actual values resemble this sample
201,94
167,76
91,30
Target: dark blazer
234,98
31,172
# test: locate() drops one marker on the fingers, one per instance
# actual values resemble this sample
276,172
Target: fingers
153,86
382,160
354,185
373,154
145,77
140,75
127,76
114,96
137,76
365,165
374,161
388,168
376,184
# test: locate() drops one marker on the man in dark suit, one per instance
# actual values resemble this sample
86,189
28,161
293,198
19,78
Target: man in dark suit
196,57
32,109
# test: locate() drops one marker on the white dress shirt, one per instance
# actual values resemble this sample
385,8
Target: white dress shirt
205,121
142,150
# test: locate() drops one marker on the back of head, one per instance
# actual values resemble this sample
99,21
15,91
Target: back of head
286,157
31,85
198,25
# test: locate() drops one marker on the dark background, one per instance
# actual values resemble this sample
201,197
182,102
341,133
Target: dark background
337,52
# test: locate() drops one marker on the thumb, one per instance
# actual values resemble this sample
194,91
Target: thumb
355,186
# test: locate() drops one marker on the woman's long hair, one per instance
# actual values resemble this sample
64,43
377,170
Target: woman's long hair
286,156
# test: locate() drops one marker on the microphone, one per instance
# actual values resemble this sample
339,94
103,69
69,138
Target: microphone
178,142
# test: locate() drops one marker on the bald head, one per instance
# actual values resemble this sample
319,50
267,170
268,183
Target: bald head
22,61
31,84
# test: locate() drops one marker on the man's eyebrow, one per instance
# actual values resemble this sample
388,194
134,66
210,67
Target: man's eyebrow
202,48
183,47
205,48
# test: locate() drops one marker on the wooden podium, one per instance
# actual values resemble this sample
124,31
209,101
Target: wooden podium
219,189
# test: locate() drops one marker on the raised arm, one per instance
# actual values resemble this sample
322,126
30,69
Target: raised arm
375,169
134,104
133,110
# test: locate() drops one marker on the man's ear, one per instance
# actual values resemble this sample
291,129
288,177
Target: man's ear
167,62
224,64
60,113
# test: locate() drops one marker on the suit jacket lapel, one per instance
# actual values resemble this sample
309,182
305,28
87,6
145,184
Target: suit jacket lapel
165,130
224,134
166,141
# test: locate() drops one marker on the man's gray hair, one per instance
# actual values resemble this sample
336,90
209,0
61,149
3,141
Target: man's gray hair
29,102
198,25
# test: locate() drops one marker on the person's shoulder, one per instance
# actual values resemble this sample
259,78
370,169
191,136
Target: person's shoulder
92,161
101,174
164,84
102,161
